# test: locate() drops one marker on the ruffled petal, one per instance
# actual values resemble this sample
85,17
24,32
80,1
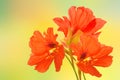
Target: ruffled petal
43,65
78,15
105,50
77,49
87,68
85,18
95,25
72,15
34,59
90,26
63,24
103,62
50,37
37,43
90,44
58,57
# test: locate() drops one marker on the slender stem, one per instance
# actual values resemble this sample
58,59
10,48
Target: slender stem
72,61
68,59
79,73
72,67
84,76
67,52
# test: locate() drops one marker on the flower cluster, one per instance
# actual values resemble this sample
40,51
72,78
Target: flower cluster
80,45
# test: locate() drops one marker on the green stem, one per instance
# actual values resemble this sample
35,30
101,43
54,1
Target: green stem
72,67
67,52
79,73
68,59
84,76
72,61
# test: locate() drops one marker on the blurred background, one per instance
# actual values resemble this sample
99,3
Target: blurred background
20,18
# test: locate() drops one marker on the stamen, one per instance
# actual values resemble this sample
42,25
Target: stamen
83,56
87,59
52,50
51,45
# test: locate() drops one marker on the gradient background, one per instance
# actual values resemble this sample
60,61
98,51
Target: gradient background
18,20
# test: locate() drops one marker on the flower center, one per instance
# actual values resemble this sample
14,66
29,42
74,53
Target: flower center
52,50
83,56
52,45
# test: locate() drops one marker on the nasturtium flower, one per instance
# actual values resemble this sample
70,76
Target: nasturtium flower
91,53
80,18
45,49
80,44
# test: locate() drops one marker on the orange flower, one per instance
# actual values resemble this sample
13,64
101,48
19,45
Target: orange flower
45,49
91,53
80,18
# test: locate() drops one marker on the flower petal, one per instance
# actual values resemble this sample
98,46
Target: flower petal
37,43
105,50
50,37
86,17
34,59
58,57
63,24
90,44
78,14
43,65
103,62
87,68
90,26
96,25
77,49
72,15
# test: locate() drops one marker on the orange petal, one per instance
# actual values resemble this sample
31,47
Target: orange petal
78,14
87,68
93,47
105,50
44,64
103,62
96,35
85,17
77,49
72,15
90,45
63,24
98,24
58,57
37,43
90,26
34,59
50,36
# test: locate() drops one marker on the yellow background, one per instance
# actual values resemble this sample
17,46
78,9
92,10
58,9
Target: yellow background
19,19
